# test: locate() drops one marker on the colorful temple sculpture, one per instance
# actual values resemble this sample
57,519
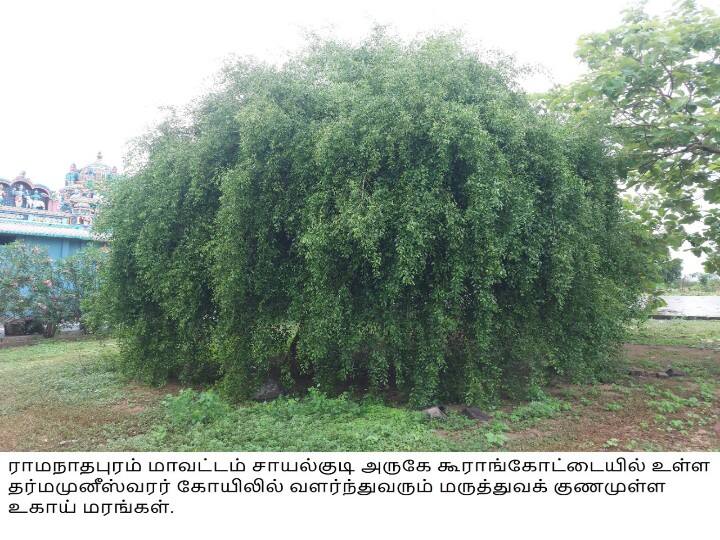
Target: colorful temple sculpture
60,221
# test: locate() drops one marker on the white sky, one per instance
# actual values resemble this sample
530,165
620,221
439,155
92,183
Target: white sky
81,76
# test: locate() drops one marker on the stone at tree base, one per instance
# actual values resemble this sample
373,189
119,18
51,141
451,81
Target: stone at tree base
473,413
436,412
269,390
672,372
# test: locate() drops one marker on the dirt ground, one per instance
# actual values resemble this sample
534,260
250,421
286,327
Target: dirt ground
638,412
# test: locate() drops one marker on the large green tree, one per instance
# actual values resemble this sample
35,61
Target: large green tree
656,82
381,215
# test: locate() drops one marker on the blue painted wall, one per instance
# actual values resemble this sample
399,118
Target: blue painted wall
58,248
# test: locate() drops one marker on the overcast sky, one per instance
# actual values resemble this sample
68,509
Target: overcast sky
77,77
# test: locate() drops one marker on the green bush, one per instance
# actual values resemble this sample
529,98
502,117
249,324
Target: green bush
190,408
34,286
386,215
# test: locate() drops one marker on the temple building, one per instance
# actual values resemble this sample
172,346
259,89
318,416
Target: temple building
60,222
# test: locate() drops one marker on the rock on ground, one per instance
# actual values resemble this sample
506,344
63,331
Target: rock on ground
269,390
436,412
473,413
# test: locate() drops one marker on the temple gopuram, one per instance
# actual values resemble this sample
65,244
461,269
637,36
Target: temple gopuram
60,222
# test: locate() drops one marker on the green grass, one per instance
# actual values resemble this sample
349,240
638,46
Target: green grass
58,372
64,395
61,395
695,289
678,332
528,414
204,421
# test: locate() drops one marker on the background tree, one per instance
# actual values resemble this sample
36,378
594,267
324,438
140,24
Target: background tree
672,271
32,286
656,81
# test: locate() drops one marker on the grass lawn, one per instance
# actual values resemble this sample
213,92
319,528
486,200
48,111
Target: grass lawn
678,332
64,395
61,395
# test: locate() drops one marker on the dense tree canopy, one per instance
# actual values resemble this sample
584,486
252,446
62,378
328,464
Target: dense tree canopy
656,81
382,215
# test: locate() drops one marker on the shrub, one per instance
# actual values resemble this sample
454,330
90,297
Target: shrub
28,287
34,286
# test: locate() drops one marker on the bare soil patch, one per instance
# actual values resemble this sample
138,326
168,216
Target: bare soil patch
638,413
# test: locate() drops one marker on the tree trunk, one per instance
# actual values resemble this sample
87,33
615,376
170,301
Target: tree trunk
49,329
